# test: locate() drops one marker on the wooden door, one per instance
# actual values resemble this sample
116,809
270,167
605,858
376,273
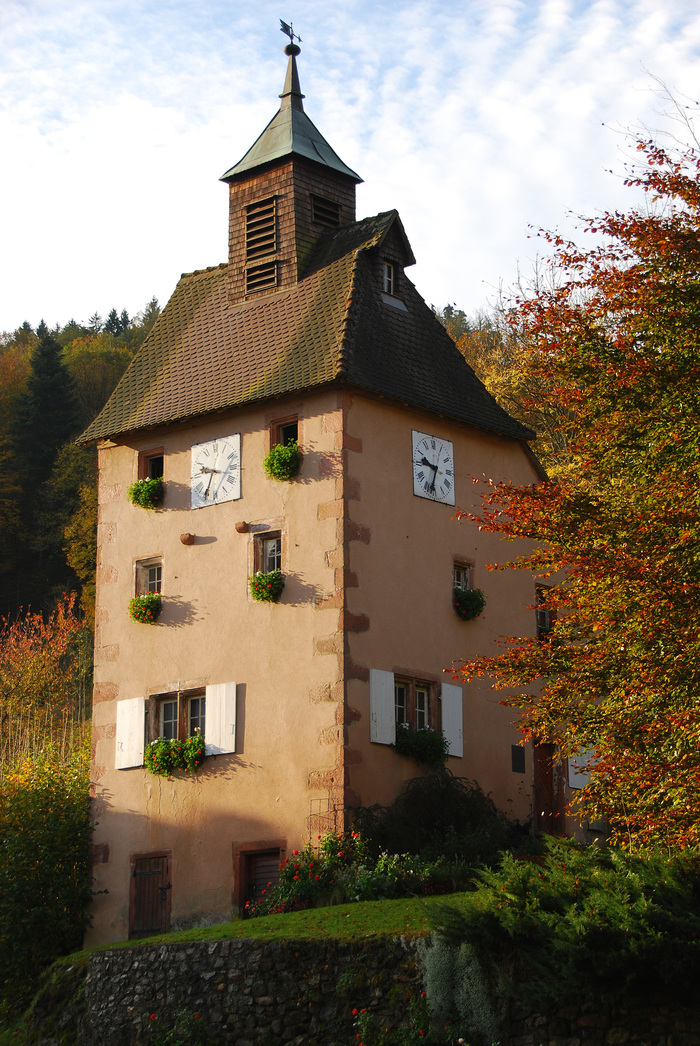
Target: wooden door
150,895
262,869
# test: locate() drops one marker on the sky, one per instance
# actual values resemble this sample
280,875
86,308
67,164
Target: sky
480,121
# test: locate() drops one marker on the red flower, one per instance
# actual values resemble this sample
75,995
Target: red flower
153,1016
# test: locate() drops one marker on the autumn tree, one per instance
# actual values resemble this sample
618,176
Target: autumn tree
616,346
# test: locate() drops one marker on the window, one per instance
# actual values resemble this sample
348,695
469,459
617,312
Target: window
517,759
212,709
268,551
462,575
546,615
260,277
388,277
406,702
285,432
261,228
149,576
151,463
413,706
325,212
178,715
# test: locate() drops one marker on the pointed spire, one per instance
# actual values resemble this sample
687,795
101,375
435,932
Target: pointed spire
291,94
290,132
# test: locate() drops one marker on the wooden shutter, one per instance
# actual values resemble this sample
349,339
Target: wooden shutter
381,707
131,726
452,718
220,724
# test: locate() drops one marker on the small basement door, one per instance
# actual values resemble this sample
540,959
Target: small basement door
150,895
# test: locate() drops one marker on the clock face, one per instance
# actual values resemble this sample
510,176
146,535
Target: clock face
216,471
433,468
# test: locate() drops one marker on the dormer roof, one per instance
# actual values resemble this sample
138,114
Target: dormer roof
290,133
334,326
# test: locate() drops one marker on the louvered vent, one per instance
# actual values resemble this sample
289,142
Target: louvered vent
260,228
325,212
260,277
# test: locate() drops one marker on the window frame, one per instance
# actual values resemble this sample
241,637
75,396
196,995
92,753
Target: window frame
466,566
259,552
407,713
277,433
146,580
389,277
544,617
151,463
182,699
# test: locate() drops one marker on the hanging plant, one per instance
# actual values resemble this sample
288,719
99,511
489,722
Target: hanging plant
147,493
283,461
146,608
468,602
266,588
428,747
163,757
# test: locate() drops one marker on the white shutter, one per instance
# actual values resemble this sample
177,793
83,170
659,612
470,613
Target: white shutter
220,722
452,718
579,771
381,707
131,726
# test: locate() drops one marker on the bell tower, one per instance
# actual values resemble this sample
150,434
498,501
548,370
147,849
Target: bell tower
283,194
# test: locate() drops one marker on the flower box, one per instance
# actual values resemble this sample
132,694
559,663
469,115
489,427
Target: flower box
146,609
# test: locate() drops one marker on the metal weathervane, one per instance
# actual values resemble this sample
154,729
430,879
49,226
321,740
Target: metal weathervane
289,31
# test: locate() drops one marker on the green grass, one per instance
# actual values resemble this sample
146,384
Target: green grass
343,922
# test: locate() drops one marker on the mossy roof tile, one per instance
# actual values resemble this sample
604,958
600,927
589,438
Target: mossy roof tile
204,355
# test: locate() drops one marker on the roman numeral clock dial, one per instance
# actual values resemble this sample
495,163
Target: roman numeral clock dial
433,468
216,471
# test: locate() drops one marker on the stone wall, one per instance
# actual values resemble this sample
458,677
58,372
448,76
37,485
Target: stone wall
249,993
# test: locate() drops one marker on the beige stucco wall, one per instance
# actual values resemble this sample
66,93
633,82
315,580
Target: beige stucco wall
404,587
369,585
212,631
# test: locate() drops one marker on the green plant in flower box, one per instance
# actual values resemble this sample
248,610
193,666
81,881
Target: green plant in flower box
468,602
146,608
267,587
428,747
147,493
283,461
163,757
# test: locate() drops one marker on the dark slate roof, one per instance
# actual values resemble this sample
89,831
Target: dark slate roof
290,133
204,355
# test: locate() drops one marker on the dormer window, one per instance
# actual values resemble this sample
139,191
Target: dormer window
261,228
325,212
388,277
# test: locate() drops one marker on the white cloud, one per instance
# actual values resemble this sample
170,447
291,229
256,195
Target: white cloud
474,119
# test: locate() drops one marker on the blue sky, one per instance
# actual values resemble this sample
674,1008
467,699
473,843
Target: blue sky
476,119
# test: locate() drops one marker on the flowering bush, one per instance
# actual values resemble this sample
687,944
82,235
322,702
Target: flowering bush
148,493
427,747
163,757
266,587
341,869
468,602
283,461
146,608
417,1025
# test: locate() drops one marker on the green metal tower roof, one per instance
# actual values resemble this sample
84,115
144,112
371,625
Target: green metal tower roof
290,133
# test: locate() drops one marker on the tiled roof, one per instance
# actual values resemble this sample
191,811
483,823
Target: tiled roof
334,325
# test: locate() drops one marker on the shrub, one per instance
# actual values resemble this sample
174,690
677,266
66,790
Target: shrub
266,587
147,493
45,835
440,815
468,602
146,609
581,922
283,461
427,747
163,757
